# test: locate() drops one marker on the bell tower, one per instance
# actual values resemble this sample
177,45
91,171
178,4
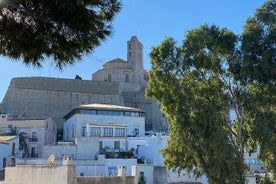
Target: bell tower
135,54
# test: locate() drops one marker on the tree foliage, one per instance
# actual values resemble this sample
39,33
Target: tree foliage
198,83
57,29
258,69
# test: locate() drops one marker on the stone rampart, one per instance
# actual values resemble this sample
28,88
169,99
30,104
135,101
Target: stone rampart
51,97
54,97
60,84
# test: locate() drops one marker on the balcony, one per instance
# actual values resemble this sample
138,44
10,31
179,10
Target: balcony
117,153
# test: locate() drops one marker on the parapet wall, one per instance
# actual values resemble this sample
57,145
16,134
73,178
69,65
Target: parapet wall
57,175
106,180
61,84
41,175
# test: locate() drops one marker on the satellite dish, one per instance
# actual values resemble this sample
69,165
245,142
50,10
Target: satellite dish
50,161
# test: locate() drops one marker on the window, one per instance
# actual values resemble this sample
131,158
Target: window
83,131
136,132
13,162
109,77
33,152
127,78
87,111
127,113
73,131
102,112
95,131
108,132
4,163
34,136
13,149
101,146
134,114
116,113
117,145
142,178
120,132
110,113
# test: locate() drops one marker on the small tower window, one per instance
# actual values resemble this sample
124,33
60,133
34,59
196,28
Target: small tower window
127,78
109,78
129,46
129,54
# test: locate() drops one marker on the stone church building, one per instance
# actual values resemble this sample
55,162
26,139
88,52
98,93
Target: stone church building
120,82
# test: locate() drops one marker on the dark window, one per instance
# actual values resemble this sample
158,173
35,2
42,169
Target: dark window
127,78
127,113
117,145
83,131
101,146
4,163
136,132
135,114
13,149
34,136
101,112
110,113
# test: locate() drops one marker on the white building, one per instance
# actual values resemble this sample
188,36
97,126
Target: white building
112,124
9,146
101,137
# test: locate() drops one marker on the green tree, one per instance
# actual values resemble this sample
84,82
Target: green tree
199,82
57,29
258,71
192,84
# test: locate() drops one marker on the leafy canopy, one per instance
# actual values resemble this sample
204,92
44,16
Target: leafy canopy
187,81
215,72
59,29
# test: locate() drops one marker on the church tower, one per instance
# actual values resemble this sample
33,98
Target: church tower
135,54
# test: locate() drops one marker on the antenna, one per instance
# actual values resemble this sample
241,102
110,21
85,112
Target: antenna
50,161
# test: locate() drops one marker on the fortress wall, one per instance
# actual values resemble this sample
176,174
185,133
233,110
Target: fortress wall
52,97
153,116
75,85
56,97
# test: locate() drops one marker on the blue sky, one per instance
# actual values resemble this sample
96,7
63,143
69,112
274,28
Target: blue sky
151,21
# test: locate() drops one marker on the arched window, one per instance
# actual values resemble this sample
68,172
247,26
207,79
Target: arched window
127,78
